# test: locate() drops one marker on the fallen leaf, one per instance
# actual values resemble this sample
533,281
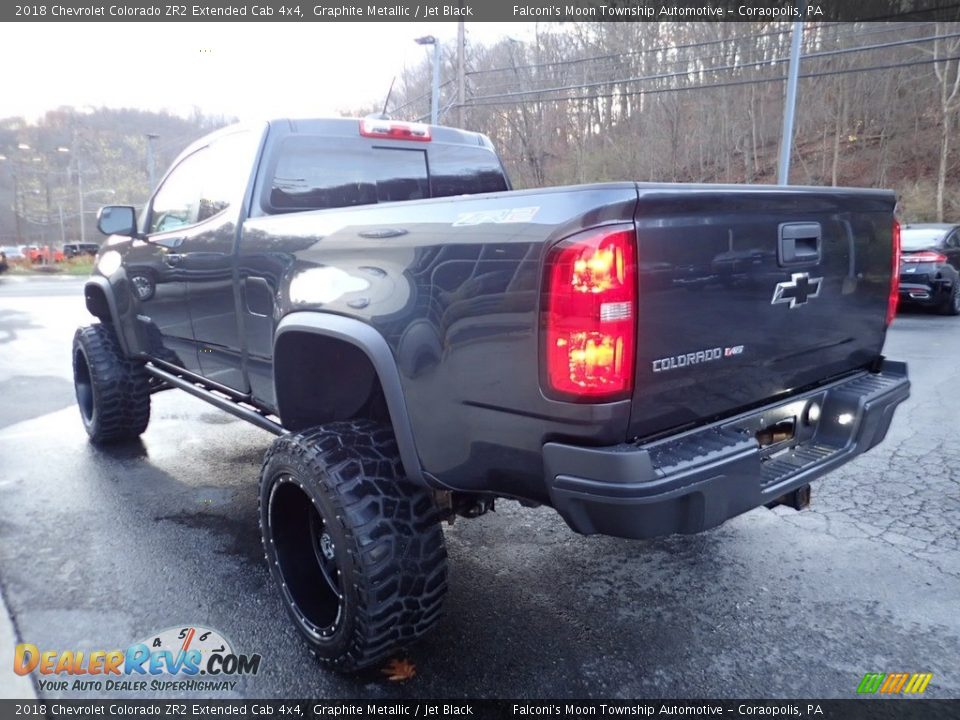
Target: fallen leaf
399,670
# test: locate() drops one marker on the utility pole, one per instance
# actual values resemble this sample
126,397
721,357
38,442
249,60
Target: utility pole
461,71
789,106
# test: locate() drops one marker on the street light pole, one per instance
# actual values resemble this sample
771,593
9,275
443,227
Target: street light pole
435,94
16,196
63,232
461,71
83,230
789,106
76,158
435,90
151,159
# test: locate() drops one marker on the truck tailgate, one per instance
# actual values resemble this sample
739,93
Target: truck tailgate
747,293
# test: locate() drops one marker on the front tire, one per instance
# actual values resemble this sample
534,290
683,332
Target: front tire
113,392
355,548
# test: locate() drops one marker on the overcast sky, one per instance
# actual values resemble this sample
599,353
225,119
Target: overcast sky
243,69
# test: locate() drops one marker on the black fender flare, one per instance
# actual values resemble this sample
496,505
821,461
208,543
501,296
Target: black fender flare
375,347
98,284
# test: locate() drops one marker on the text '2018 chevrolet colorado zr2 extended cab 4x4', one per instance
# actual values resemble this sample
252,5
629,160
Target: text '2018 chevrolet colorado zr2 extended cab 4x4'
645,358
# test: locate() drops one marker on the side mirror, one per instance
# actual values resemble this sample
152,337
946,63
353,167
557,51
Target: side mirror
117,220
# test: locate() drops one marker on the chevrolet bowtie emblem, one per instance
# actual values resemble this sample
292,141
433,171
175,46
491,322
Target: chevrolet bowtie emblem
796,291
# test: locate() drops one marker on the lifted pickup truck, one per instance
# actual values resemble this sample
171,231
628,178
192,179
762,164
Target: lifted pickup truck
645,358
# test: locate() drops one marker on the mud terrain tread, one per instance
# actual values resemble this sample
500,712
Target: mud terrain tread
121,386
393,530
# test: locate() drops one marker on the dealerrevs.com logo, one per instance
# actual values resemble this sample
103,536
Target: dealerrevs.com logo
174,659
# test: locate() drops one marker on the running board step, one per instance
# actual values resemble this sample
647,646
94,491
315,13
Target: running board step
233,406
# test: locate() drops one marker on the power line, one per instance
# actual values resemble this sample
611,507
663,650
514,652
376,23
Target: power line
711,86
699,71
615,56
417,99
504,87
487,90
645,51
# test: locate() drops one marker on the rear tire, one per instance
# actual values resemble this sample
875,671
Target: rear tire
951,306
355,548
113,392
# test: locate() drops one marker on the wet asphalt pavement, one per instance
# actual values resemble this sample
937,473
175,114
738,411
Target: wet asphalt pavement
102,548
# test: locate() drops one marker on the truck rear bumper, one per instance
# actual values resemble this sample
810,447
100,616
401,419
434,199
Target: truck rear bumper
697,479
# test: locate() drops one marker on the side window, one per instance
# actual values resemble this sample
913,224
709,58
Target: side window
317,173
953,239
204,184
177,202
459,170
227,168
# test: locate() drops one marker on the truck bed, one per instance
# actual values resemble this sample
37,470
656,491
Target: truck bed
454,285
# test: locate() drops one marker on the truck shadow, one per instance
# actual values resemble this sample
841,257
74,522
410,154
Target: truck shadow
30,396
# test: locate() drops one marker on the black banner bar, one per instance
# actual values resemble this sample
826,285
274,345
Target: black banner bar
480,10
865,709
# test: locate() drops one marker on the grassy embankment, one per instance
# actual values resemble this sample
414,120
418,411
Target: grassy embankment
74,266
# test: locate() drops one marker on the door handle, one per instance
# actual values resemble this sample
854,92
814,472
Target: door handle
172,258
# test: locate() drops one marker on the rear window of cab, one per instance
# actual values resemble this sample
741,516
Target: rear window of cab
316,173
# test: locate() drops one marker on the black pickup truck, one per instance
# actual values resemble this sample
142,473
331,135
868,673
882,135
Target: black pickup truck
645,358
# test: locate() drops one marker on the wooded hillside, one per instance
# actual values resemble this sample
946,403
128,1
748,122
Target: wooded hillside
101,155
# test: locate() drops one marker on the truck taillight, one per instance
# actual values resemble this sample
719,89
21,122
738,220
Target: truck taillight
393,130
589,309
894,274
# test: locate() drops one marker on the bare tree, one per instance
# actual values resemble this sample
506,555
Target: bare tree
589,101
947,71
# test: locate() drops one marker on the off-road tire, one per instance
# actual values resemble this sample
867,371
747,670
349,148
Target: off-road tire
113,392
951,305
334,503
